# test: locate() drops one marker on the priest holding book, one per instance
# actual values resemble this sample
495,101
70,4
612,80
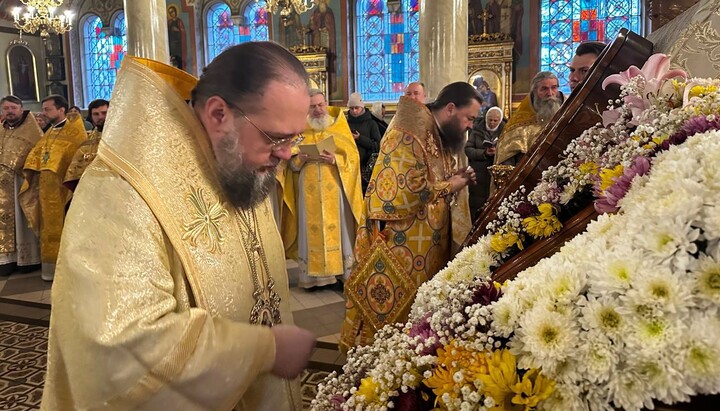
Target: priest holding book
328,194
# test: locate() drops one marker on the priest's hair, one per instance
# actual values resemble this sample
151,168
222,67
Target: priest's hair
241,74
459,93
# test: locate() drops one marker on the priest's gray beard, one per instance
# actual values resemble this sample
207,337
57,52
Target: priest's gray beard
547,108
320,123
245,188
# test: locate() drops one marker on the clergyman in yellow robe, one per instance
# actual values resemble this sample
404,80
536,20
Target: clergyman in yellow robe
407,212
526,123
328,198
81,160
164,285
43,196
19,133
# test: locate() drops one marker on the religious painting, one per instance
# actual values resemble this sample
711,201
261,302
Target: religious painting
55,68
56,88
180,21
511,17
490,86
22,73
53,45
321,26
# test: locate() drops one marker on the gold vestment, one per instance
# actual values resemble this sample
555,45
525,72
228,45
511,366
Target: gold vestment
408,193
323,186
519,133
83,157
154,287
43,196
16,142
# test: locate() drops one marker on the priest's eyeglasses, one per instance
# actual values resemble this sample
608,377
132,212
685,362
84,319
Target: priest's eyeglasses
275,143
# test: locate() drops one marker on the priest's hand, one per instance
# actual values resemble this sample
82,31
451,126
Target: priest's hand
327,157
293,347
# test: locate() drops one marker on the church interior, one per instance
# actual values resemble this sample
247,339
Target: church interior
367,49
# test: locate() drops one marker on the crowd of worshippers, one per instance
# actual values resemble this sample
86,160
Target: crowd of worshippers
43,156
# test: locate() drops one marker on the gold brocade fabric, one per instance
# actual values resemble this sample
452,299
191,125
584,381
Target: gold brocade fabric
520,132
42,196
158,316
408,193
81,160
323,187
15,144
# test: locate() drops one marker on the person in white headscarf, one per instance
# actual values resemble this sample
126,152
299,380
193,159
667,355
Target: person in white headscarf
480,150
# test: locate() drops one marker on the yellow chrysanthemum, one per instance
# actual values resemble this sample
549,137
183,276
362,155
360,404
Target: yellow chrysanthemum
500,379
589,168
502,241
473,363
607,176
543,225
533,388
699,91
441,382
368,388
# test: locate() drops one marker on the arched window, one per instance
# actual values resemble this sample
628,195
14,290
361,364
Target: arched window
386,40
565,24
103,51
222,33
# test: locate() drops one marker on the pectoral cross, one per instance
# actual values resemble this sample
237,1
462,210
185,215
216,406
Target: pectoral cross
46,157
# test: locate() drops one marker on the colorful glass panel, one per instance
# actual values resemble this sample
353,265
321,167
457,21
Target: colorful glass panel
567,23
387,47
222,32
103,52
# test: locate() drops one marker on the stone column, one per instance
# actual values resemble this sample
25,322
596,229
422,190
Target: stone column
443,43
147,30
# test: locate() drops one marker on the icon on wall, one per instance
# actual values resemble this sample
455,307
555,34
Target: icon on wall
53,45
55,68
57,88
22,72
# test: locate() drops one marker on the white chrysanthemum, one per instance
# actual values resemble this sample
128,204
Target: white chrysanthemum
565,282
670,238
706,280
629,390
710,216
601,315
544,339
701,353
506,314
660,289
616,272
648,333
566,397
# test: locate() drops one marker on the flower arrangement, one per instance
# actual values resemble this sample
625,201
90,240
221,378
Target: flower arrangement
625,314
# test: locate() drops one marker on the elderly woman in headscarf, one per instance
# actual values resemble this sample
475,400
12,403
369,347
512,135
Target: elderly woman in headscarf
480,151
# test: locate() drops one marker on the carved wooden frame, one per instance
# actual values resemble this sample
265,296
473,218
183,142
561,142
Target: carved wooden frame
496,57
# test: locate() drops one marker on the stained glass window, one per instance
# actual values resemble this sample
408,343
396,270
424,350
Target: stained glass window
567,23
222,32
103,52
387,47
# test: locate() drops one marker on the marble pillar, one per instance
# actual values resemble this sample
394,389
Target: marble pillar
147,30
443,43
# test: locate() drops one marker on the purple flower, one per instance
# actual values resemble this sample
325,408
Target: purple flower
608,201
697,124
337,401
423,330
525,209
486,294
